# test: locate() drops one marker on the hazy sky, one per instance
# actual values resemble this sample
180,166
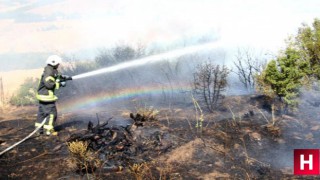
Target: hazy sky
74,25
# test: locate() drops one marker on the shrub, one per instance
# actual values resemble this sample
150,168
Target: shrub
26,94
149,113
210,81
81,158
247,66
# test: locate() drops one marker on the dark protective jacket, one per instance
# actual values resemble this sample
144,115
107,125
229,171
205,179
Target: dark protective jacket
48,85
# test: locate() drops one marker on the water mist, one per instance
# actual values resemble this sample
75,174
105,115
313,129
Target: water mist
168,56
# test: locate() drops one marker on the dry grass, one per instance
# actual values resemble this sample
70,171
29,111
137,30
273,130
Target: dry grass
199,115
149,113
151,170
81,159
165,171
141,171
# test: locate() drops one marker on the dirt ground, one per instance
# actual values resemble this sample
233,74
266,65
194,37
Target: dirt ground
236,142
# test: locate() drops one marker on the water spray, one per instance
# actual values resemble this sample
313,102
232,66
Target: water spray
151,59
133,63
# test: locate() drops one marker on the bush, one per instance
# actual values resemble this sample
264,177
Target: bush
247,66
81,158
210,81
26,94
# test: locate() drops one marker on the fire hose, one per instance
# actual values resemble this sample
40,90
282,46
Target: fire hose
27,137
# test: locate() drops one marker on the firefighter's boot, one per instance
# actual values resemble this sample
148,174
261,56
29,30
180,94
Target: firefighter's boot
51,132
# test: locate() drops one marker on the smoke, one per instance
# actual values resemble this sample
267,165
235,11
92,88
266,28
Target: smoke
299,130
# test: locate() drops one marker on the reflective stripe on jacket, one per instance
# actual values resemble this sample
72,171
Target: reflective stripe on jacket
47,85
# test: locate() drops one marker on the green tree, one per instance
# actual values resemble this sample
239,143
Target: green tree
308,43
284,76
297,66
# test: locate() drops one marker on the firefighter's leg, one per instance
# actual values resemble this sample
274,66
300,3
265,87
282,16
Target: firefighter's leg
52,111
40,117
55,115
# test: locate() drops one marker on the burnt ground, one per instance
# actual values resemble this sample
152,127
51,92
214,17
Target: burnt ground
236,142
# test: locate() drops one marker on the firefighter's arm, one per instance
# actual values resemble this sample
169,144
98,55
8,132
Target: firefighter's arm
49,80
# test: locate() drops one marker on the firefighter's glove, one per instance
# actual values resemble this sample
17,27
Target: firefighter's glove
63,83
66,77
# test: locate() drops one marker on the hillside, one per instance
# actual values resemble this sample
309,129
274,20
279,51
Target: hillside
239,143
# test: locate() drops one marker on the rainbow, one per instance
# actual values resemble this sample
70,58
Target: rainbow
83,102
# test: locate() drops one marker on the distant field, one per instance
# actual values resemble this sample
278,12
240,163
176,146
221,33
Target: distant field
13,79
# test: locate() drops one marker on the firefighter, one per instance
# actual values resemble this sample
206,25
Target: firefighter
49,82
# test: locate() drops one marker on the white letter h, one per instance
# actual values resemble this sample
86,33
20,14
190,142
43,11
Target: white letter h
303,162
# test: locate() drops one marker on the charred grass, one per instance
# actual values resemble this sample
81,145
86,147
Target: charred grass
238,141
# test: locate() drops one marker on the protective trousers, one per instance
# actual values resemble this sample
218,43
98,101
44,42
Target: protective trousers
47,110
